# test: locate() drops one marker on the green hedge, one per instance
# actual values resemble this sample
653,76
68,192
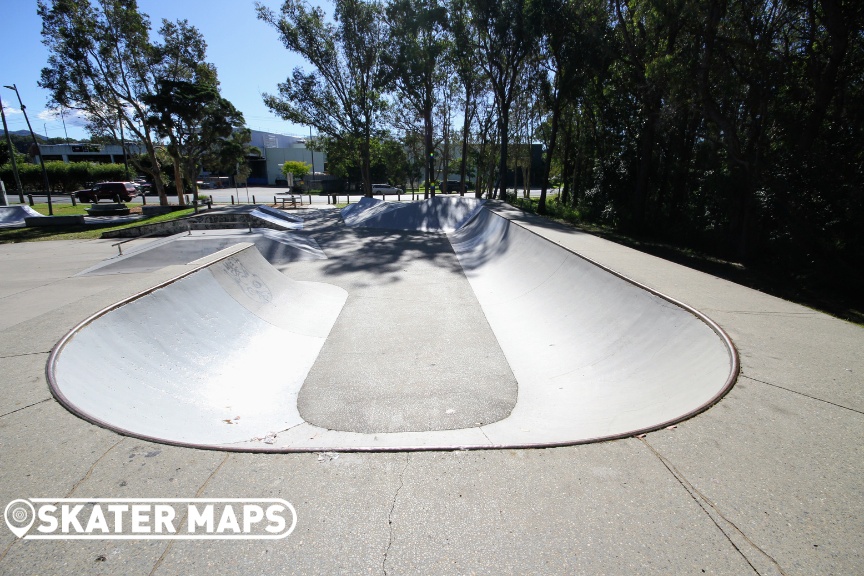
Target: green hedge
62,176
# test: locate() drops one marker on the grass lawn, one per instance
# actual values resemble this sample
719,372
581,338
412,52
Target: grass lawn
88,232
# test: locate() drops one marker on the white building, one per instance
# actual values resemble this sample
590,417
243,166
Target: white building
276,149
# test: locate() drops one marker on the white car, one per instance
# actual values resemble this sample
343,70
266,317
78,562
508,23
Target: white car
385,189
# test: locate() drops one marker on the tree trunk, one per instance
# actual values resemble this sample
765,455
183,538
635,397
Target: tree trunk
502,161
430,152
466,129
156,174
178,181
547,168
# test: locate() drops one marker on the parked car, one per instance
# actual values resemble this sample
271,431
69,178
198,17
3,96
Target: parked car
117,191
385,189
456,186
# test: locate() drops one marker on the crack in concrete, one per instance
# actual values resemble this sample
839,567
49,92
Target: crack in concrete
93,467
183,518
24,354
9,547
25,407
390,514
702,500
803,394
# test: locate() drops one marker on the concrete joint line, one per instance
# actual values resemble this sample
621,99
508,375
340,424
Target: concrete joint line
75,487
183,518
802,394
25,407
390,514
25,290
702,500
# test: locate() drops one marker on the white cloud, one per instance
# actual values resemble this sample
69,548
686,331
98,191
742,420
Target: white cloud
8,110
49,115
71,117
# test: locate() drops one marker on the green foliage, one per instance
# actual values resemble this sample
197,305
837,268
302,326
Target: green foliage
63,176
228,155
296,168
342,97
734,128
388,160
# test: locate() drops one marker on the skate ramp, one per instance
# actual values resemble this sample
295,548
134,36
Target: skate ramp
277,217
278,248
13,216
595,355
215,357
439,214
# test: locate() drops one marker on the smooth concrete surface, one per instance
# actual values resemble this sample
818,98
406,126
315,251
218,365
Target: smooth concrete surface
635,361
768,481
14,216
129,369
439,214
279,248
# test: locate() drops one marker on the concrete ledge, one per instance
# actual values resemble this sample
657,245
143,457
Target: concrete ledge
42,221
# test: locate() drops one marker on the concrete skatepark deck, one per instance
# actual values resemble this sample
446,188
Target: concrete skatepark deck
768,481
611,359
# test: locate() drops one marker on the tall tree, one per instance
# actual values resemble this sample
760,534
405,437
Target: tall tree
186,107
342,96
101,62
465,62
504,41
416,48
569,35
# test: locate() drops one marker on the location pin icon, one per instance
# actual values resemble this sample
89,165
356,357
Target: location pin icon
20,515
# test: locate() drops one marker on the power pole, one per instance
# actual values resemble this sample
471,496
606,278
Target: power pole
12,155
38,149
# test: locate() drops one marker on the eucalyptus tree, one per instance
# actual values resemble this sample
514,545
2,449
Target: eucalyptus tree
504,41
569,38
196,120
444,110
464,56
102,63
408,128
417,45
342,97
186,107
228,155
483,153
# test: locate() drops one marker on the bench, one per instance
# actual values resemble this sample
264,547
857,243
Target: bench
288,198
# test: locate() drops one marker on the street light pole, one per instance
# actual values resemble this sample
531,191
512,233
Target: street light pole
12,155
38,149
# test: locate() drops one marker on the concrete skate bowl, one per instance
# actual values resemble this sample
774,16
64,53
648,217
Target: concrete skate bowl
595,355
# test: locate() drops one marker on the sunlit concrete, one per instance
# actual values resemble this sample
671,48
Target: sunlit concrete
594,355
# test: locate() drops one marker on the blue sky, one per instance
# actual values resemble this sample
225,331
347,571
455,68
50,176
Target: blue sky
247,53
